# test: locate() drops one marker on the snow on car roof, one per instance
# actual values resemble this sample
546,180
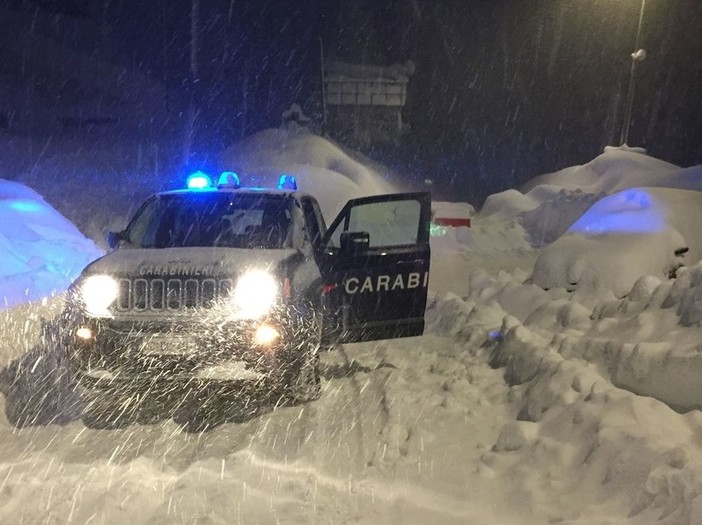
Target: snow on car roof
240,191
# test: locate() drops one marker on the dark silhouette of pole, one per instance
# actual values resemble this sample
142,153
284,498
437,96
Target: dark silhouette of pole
324,96
638,55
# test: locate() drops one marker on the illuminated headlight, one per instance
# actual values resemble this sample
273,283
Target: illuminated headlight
265,335
255,294
98,292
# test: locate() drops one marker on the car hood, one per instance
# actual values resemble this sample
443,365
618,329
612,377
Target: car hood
188,262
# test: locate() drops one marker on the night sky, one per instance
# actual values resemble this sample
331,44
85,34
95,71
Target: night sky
503,90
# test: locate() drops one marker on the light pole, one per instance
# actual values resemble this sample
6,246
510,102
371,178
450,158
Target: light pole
638,55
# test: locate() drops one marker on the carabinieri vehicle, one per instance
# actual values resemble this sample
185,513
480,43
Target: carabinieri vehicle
219,295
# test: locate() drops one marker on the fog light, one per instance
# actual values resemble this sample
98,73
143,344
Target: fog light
266,335
84,333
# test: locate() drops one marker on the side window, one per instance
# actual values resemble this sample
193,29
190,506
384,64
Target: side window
142,231
313,220
388,223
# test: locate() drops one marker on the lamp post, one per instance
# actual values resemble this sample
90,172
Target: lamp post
638,55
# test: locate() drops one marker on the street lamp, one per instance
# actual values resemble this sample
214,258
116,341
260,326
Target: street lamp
638,55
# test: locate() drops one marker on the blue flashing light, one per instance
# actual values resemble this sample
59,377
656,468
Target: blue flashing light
287,182
229,178
199,181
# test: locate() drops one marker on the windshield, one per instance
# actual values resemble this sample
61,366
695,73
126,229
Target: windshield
212,219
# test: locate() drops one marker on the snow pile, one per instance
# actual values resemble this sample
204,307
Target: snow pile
129,173
584,447
321,167
621,237
583,216
616,169
609,452
42,252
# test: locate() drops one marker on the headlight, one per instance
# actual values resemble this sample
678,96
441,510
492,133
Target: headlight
98,292
255,294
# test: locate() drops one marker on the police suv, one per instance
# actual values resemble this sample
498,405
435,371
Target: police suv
218,294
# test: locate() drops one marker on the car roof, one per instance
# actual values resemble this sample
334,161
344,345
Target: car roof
237,191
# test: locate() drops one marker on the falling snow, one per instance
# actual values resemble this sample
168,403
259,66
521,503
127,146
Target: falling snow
575,406
558,377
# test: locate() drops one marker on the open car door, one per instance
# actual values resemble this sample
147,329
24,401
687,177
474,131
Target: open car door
375,265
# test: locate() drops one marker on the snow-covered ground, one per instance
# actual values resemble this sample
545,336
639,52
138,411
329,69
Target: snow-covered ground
519,405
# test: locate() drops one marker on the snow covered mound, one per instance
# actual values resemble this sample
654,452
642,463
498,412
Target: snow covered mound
42,252
321,167
619,239
574,371
605,224
616,169
548,204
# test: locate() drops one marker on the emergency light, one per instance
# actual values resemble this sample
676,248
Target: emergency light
199,181
229,178
287,182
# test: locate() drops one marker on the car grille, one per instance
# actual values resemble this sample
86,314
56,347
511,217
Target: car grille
169,295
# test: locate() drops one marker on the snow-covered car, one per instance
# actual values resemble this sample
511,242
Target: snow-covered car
216,295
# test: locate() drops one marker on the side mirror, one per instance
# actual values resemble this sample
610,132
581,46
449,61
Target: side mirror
114,238
352,243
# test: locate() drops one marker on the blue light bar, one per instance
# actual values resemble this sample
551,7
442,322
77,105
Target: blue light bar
229,179
287,182
199,181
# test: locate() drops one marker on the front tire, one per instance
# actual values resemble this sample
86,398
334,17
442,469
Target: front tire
305,384
301,378
103,410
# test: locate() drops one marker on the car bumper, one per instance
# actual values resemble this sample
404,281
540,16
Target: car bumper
140,357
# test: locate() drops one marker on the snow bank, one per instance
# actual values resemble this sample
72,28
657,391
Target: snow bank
622,237
590,441
605,224
616,169
42,252
321,167
610,452
619,239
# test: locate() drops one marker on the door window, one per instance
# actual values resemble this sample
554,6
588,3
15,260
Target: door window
388,223
313,220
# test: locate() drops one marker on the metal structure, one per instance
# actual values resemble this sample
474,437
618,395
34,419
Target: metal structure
363,104
638,55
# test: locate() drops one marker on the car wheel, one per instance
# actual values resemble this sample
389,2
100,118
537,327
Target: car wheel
192,420
305,385
106,411
302,381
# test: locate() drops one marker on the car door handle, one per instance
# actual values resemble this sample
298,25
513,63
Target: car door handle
415,262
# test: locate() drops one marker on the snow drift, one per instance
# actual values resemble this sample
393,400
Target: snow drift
42,252
321,167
